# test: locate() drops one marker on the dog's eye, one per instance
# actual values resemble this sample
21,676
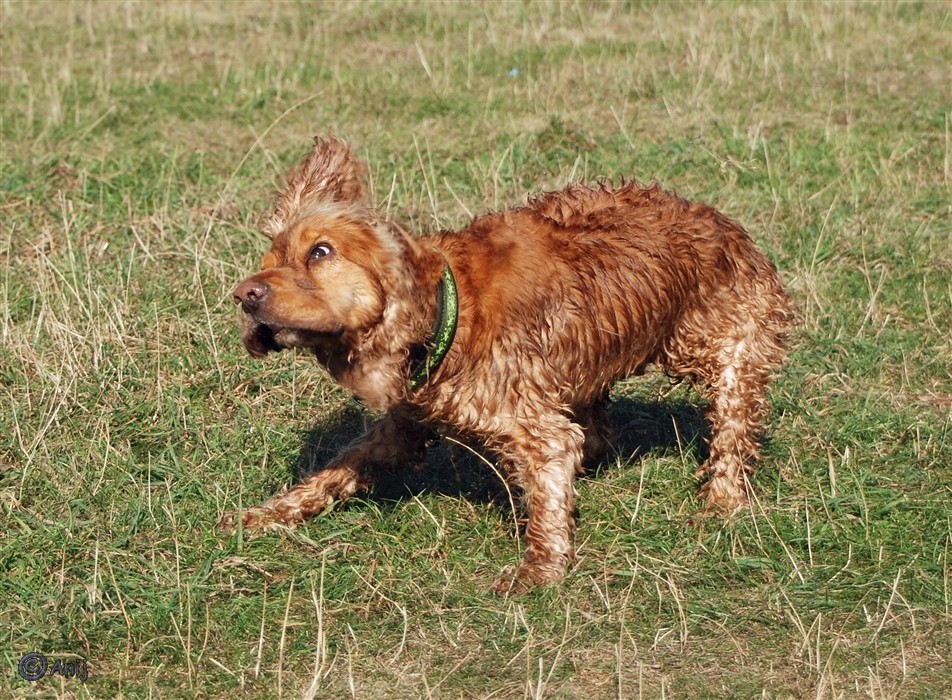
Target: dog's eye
321,250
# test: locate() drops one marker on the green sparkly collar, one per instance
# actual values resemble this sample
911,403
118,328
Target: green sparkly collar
438,344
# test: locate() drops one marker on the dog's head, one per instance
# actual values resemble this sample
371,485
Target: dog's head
325,278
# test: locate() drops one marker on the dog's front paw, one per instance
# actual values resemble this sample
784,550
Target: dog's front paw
259,519
518,580
508,583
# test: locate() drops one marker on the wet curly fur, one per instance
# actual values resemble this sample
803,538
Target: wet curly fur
557,300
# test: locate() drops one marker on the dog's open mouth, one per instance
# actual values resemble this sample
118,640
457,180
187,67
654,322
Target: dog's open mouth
262,338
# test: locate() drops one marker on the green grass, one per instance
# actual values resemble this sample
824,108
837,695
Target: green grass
140,145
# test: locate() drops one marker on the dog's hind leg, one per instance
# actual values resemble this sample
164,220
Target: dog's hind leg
392,441
738,404
731,350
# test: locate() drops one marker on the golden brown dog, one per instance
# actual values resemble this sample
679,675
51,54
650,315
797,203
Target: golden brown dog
512,332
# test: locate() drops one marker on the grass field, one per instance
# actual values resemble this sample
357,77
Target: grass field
141,142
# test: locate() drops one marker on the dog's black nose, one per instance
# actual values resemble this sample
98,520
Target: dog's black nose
251,292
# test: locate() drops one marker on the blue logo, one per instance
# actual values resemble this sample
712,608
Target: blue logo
34,666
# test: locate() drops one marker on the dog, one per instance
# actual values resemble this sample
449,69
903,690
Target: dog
511,333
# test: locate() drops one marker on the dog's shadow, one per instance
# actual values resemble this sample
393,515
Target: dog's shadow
451,468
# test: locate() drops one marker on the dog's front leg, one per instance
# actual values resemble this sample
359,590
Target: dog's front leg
393,441
544,456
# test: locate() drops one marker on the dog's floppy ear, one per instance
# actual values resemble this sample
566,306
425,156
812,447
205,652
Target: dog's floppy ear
332,173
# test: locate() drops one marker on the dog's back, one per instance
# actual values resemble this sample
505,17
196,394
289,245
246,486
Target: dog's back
599,277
